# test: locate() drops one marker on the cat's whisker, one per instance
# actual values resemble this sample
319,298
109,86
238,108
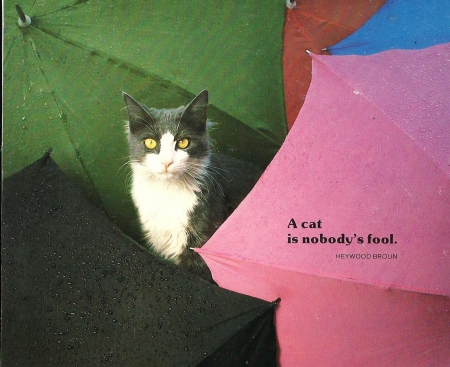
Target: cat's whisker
129,175
181,192
203,175
202,169
127,163
213,180
128,180
197,172
217,169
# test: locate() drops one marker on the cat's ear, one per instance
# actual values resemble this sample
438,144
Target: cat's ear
195,113
138,117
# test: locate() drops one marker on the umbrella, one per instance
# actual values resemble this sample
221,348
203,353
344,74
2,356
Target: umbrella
400,24
349,224
64,76
314,25
76,291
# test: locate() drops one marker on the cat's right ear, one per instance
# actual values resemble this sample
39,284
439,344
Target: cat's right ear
138,117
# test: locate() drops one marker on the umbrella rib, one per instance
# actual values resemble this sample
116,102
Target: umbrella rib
237,257
311,16
32,6
141,71
258,131
65,124
300,28
263,310
79,2
7,53
363,95
78,155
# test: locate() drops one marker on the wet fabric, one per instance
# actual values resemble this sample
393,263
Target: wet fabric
313,25
77,291
349,224
64,76
399,24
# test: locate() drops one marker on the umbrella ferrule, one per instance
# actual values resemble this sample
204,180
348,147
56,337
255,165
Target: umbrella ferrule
291,4
24,20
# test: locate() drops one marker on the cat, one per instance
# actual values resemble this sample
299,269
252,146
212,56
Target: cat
183,191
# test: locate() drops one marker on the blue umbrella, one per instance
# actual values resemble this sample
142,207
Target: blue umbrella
400,24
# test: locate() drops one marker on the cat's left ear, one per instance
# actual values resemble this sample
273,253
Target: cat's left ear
138,117
195,113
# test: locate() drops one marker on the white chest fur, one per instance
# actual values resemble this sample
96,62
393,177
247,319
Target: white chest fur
164,207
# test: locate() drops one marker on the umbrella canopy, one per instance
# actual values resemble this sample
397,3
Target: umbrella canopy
64,75
400,24
314,25
76,291
349,225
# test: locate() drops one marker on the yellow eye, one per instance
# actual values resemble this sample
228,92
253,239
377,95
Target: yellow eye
183,143
150,143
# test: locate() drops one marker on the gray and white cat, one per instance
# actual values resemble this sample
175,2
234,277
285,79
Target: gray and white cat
182,190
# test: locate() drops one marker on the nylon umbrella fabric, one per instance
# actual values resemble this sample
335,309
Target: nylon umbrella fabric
399,24
76,290
64,76
363,269
314,25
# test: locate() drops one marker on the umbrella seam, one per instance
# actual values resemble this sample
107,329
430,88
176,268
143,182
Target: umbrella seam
264,308
363,95
60,104
308,15
324,275
140,70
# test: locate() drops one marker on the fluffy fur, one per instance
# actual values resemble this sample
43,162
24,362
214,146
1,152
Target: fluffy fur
182,193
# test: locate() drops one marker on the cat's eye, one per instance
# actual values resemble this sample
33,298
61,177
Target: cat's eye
183,143
150,143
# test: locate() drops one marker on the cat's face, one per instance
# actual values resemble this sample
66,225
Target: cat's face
169,143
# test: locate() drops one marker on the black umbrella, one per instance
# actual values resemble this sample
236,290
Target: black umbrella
76,291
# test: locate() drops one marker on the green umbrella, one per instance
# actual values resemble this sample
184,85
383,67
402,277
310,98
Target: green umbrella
65,72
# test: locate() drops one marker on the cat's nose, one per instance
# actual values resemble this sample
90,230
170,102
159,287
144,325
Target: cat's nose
167,164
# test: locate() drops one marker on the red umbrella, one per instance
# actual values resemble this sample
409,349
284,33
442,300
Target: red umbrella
350,223
313,25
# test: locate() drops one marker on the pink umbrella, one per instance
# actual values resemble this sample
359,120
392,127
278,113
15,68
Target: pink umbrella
350,223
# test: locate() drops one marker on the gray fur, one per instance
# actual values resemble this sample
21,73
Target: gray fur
219,183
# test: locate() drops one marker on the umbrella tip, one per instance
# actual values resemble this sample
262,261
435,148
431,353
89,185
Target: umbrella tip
308,52
291,4
45,157
47,153
24,20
